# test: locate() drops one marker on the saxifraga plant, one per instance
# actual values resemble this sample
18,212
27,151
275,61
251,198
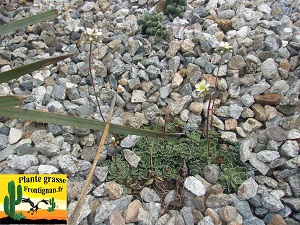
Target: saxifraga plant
165,160
232,177
152,24
204,89
233,171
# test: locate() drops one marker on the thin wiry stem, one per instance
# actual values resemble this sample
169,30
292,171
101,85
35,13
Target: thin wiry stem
115,156
215,87
211,104
165,129
151,155
208,121
92,80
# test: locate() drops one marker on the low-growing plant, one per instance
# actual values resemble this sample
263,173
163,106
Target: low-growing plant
175,8
205,89
167,160
152,24
232,177
233,172
161,159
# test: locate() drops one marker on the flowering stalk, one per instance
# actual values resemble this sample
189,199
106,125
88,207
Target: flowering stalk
213,95
203,88
93,36
208,121
224,47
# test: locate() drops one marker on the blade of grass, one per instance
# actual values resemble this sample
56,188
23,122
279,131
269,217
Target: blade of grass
10,101
22,70
15,25
65,120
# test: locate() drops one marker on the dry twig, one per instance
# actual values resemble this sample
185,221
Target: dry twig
82,199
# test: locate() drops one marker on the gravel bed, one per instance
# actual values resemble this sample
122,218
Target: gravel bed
258,105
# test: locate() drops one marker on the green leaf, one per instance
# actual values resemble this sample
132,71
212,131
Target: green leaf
158,32
155,18
181,8
171,9
65,120
149,182
182,2
13,26
160,15
20,71
147,17
141,22
148,23
154,24
151,30
177,11
10,101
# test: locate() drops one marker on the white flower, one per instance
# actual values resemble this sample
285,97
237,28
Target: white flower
112,140
202,86
225,45
93,32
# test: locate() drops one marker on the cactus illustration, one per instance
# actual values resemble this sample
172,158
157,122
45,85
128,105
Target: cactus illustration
18,216
10,202
53,205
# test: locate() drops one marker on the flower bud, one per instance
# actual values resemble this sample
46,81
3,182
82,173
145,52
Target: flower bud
113,140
